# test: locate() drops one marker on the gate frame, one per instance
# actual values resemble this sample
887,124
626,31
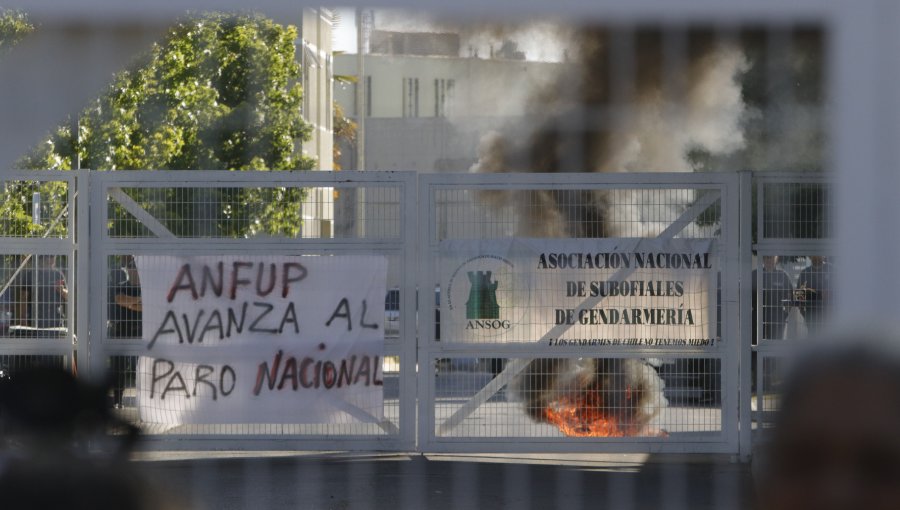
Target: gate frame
779,349
100,245
734,231
68,344
87,200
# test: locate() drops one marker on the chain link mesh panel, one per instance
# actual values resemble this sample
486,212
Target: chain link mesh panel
584,377
791,280
259,216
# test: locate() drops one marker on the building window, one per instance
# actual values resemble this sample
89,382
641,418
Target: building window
443,95
410,97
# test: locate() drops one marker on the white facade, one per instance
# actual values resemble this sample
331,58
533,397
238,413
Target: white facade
427,113
440,86
315,54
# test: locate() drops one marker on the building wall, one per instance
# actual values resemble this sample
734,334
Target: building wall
314,51
480,87
427,144
441,134
413,43
485,94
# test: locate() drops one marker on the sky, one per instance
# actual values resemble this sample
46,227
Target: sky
345,32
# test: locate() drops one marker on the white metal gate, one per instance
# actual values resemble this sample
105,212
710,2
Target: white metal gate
465,407
37,270
789,297
229,213
441,394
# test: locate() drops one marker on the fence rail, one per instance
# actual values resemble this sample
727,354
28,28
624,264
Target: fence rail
442,391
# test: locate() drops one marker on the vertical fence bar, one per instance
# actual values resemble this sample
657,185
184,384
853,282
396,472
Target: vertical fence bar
731,331
409,220
744,313
81,252
425,330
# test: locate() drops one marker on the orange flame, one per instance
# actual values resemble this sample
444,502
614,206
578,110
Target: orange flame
582,416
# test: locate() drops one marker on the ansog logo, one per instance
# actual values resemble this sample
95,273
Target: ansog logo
480,296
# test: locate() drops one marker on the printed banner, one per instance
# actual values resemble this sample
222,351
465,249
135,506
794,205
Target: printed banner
591,292
261,339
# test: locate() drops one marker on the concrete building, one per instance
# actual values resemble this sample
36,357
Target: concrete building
426,112
429,98
315,53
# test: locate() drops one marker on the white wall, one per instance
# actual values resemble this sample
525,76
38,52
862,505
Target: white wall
483,87
314,52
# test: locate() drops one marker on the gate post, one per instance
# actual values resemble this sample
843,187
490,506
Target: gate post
81,248
745,317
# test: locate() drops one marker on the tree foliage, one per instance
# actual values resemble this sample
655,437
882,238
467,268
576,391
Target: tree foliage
222,92
344,134
16,197
14,26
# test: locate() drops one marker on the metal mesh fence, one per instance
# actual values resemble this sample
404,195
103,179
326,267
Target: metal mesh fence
157,419
582,398
12,364
795,297
792,296
795,210
247,212
34,208
34,302
34,265
260,217
772,377
34,296
566,282
567,213
654,97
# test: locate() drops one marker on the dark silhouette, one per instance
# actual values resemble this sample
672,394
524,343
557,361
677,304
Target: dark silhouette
48,419
836,443
814,289
125,313
777,294
41,295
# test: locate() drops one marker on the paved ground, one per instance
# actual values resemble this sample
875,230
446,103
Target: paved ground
338,481
500,417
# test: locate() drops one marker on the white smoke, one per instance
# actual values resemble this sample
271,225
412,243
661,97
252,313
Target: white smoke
660,135
655,133
661,131
541,41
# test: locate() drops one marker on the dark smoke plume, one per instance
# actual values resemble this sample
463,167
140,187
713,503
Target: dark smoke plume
593,121
643,116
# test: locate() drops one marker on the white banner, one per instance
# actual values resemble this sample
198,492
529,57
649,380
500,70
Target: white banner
591,292
261,339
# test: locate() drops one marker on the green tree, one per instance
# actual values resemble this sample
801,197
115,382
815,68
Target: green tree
344,134
14,26
16,197
221,91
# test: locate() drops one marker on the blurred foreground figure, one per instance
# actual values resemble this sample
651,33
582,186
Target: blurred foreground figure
56,450
836,444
